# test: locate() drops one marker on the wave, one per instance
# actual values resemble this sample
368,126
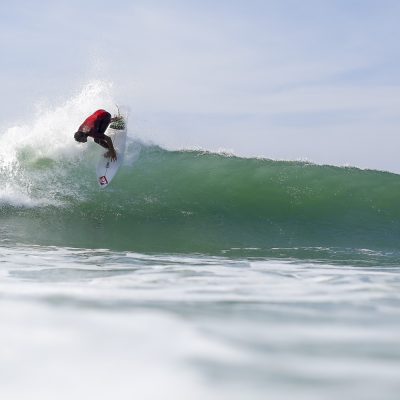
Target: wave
196,201
181,201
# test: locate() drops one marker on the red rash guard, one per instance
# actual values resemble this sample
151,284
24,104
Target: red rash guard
96,124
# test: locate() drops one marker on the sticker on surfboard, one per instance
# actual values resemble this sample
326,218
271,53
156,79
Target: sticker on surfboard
103,180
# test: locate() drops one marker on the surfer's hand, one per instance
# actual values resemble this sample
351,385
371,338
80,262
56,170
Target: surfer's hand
113,155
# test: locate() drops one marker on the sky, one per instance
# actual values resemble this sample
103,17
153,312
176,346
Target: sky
297,80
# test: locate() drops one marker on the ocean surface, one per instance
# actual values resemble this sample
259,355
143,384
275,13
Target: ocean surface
195,275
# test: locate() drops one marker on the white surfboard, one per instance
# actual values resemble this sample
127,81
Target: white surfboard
107,169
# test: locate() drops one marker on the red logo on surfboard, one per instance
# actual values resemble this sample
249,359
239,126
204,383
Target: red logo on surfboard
103,180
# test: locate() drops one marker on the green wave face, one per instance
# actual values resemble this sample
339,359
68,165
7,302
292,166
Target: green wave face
190,201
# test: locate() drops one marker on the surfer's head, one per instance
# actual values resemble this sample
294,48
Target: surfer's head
80,137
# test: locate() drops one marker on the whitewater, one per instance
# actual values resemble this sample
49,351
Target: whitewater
195,274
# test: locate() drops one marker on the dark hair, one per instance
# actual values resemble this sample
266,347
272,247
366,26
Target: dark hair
79,136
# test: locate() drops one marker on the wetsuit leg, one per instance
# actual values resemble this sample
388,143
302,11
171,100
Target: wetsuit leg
104,124
101,142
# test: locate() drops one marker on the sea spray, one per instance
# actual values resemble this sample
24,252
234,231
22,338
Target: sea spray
35,156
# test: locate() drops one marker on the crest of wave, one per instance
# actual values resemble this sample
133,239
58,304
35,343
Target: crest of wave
49,136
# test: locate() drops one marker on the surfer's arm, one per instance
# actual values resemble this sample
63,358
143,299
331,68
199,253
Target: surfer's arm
109,142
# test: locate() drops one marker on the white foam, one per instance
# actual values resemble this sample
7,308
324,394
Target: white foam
13,195
49,136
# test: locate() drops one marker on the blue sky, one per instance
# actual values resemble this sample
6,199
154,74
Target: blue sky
281,79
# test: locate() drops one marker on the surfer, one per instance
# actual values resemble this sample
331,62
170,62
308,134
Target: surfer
94,126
